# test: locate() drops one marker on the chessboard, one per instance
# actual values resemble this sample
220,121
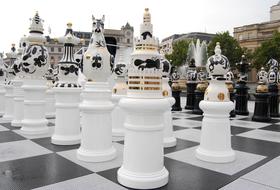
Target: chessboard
32,162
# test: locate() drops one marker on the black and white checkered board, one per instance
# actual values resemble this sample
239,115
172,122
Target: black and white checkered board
34,163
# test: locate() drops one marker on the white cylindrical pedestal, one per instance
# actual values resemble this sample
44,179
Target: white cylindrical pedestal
34,121
169,139
67,122
2,99
118,117
50,103
143,148
215,143
9,103
96,138
18,103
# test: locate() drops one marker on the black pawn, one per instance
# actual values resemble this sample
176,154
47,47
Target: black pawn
232,97
261,111
176,91
190,96
199,95
273,100
241,98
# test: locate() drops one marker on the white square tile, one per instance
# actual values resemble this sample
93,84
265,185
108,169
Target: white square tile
186,123
48,134
188,134
20,149
243,160
242,184
248,124
95,167
2,128
51,120
262,135
239,117
3,121
92,181
183,115
267,174
115,138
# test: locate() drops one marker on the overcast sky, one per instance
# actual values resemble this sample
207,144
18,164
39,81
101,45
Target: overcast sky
168,16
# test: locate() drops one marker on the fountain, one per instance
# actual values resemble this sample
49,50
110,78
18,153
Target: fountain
197,55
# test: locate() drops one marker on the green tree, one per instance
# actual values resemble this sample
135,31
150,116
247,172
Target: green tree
179,55
268,49
230,47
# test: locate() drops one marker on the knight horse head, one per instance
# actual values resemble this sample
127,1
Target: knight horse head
97,38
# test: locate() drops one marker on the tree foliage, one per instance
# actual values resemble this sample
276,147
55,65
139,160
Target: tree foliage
230,47
268,49
179,55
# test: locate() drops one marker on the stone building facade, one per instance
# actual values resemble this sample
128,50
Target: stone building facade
114,39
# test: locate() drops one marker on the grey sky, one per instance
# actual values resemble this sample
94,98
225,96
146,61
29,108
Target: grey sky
168,16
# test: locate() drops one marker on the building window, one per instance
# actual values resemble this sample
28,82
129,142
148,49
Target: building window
59,49
128,41
52,49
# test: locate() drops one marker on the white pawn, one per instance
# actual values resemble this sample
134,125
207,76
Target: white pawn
215,143
9,95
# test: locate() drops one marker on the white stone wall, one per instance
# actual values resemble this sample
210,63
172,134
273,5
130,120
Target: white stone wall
275,12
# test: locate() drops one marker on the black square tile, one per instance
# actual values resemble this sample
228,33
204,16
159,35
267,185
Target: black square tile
237,130
197,128
255,146
199,118
29,173
176,128
50,124
181,144
273,127
8,136
8,125
184,176
46,142
249,118
120,142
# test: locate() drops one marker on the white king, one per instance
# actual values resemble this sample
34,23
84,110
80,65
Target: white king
35,59
145,106
144,73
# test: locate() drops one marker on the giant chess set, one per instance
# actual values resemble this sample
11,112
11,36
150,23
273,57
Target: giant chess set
66,126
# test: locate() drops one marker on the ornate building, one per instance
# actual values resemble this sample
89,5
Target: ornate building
114,39
251,36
